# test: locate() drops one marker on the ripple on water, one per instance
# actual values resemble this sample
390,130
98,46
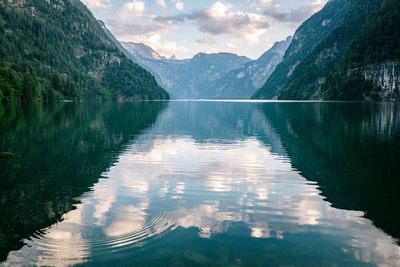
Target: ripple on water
70,242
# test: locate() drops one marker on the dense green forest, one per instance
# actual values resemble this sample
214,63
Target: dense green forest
56,50
306,80
307,36
357,60
377,42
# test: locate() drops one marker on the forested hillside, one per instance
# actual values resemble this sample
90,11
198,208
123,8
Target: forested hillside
55,50
309,75
370,68
307,36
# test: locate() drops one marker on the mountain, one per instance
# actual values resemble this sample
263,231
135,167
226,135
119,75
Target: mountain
307,36
185,78
370,69
193,77
310,74
142,50
244,81
54,50
113,39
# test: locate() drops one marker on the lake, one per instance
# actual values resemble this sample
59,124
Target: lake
200,183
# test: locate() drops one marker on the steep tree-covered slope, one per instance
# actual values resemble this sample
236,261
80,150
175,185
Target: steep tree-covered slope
53,50
309,75
307,36
244,81
370,68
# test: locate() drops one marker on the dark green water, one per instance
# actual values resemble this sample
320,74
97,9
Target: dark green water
200,184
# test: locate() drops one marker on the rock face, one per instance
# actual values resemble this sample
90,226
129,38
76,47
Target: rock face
369,70
141,50
244,81
385,75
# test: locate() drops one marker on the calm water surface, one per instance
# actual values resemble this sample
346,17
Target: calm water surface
200,183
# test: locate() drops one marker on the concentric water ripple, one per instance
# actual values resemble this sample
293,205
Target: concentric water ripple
61,245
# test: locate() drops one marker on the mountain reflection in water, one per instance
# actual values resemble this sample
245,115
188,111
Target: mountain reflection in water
208,183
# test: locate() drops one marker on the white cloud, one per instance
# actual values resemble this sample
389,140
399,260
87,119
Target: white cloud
178,4
133,9
167,48
206,40
161,3
318,4
233,49
220,18
293,17
97,3
266,3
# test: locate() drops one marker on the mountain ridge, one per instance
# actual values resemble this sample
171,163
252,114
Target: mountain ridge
186,78
370,68
310,74
56,50
243,82
224,84
306,37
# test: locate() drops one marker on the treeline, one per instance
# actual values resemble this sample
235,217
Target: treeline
377,42
61,50
305,82
365,38
307,36
22,84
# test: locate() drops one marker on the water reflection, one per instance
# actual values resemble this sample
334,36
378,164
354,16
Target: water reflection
62,150
349,149
214,183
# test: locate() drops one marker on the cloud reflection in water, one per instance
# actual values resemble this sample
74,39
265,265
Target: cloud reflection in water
160,184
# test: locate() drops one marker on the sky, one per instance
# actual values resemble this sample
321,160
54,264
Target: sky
186,27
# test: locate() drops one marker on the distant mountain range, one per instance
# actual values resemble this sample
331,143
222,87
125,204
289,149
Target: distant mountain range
219,75
187,78
243,82
350,50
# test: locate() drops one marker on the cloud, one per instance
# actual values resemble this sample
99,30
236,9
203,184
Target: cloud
220,19
133,28
266,3
178,4
294,16
161,3
233,49
97,3
149,34
206,40
132,9
165,48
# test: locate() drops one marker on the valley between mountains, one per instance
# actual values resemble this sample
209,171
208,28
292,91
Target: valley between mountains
57,51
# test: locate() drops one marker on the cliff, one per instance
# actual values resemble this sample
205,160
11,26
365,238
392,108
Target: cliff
385,75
